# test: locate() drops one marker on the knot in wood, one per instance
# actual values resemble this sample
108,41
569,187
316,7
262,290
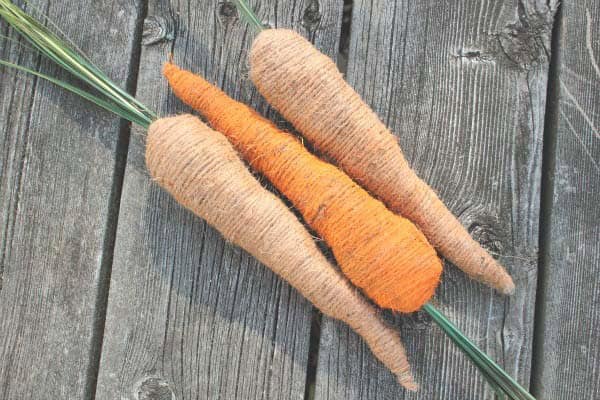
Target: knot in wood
153,388
227,12
157,29
312,16
483,233
525,42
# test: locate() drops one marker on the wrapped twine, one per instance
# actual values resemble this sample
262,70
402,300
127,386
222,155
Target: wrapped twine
306,87
202,171
382,253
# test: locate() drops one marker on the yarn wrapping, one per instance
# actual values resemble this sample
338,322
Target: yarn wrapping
202,171
382,253
306,87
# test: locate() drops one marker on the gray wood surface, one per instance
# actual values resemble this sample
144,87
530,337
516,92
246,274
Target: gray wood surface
190,316
58,158
463,84
568,359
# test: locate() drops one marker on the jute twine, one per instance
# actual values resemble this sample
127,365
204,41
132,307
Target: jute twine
306,87
202,171
382,253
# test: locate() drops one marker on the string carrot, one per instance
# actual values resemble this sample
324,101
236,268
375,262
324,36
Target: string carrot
382,253
306,87
202,171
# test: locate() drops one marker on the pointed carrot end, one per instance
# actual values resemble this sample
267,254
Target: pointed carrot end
169,68
408,382
507,287
502,281
494,275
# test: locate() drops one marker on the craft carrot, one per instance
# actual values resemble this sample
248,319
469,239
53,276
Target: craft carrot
306,87
382,253
202,171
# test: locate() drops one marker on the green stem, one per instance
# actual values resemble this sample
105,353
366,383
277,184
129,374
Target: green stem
71,60
108,105
249,15
502,383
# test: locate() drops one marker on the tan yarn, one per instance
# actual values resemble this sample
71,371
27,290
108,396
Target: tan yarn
202,171
306,87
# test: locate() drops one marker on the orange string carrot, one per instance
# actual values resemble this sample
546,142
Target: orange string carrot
382,253
202,171
306,87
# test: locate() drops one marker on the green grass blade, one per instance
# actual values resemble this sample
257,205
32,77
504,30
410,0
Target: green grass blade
249,15
490,372
51,23
456,338
74,62
497,377
16,42
113,108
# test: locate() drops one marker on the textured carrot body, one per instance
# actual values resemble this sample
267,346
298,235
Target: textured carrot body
202,171
306,87
380,252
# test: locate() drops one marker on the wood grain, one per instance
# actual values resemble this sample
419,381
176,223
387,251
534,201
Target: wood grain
463,84
568,340
58,159
190,316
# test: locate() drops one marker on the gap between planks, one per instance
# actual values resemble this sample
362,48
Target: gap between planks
546,195
110,233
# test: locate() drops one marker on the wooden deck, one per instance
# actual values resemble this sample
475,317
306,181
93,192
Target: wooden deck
110,290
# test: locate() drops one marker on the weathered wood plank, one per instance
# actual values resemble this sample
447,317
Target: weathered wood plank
58,157
463,84
569,351
189,314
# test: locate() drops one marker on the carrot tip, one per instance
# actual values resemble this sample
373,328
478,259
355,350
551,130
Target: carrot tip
508,289
408,383
505,284
169,67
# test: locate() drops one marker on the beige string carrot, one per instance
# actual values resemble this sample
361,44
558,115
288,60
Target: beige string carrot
202,171
306,87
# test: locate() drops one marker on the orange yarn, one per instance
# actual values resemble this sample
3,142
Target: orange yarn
380,252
